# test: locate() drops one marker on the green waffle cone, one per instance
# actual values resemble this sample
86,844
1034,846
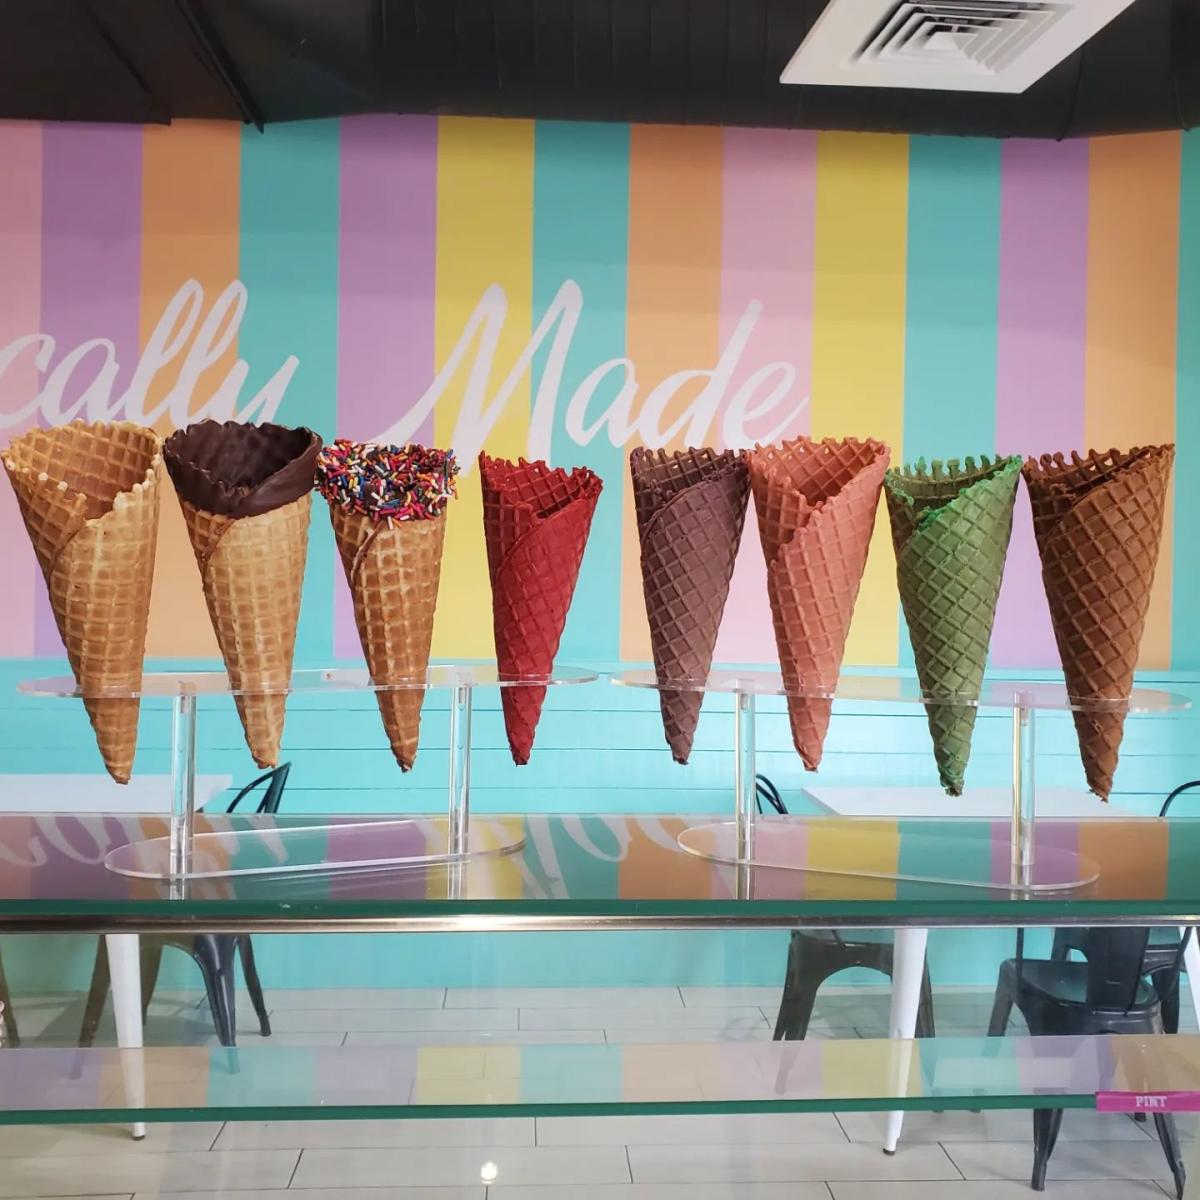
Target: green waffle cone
950,528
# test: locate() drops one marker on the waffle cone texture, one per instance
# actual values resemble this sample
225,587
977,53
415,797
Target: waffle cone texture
245,495
691,507
1098,521
816,503
393,570
89,495
951,526
536,521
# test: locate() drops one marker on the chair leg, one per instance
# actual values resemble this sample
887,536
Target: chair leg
214,955
1061,951
1001,1009
1168,1135
925,1025
1170,1008
9,1015
151,962
1046,1124
253,985
97,995
799,994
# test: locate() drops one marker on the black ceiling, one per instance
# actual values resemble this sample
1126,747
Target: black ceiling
686,61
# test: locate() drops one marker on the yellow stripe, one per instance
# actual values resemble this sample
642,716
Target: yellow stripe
871,847
484,237
858,336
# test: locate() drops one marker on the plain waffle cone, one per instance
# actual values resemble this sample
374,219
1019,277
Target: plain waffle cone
252,569
691,506
89,498
816,504
536,521
1098,521
393,571
950,529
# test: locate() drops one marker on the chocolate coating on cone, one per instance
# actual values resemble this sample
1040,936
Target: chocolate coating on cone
1098,520
536,521
950,528
691,507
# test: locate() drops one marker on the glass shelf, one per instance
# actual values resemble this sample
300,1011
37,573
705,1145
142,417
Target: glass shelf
493,1078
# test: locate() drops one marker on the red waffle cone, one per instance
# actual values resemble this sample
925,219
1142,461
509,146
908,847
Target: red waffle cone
1098,521
393,570
535,522
691,506
816,504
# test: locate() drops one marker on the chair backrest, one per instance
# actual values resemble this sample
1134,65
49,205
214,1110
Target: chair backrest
1183,787
275,780
1115,958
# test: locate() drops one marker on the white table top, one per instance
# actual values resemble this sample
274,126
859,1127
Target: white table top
99,793
986,803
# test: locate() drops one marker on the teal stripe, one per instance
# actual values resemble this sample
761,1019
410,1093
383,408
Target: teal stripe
953,284
581,233
1185,617
289,264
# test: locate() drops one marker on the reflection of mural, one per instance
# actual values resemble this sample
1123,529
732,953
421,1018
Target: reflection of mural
568,291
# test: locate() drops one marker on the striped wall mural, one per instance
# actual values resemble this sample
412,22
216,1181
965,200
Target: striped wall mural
569,291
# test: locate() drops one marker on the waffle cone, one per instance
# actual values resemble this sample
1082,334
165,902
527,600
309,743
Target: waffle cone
691,507
536,521
816,504
252,569
393,570
950,528
89,497
1098,521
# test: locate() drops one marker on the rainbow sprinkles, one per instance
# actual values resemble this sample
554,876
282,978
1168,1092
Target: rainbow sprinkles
387,483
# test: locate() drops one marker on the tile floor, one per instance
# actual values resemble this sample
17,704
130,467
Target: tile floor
951,1156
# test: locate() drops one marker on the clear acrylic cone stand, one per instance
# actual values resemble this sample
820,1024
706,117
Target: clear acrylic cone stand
321,845
752,839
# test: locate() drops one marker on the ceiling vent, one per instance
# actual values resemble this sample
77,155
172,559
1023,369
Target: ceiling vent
945,45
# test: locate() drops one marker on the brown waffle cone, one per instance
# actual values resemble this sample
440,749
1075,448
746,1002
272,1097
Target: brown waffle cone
691,506
89,497
1098,521
816,504
393,572
252,569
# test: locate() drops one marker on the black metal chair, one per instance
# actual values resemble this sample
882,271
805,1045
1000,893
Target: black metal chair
10,1036
1108,993
1161,952
815,955
215,954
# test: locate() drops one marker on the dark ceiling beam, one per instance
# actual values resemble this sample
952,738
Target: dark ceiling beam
221,63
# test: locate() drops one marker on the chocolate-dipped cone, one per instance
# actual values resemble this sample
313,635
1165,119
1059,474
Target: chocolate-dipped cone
691,506
1098,521
816,504
950,529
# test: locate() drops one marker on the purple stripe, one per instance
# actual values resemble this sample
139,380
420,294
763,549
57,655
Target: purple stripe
1040,357
386,282
91,267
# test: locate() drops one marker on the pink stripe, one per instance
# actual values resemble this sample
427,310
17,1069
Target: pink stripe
386,283
20,315
91,267
766,260
1040,369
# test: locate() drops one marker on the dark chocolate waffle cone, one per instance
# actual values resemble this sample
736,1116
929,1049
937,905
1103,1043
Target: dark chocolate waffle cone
816,504
89,497
950,528
1098,521
691,506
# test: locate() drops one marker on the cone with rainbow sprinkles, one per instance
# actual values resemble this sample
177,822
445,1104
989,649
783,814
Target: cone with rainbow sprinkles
1098,521
245,491
88,494
387,505
816,504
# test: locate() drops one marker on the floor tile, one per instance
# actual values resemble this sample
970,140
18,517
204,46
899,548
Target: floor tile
299,1135
28,1141
358,998
741,1129
639,1018
1122,1189
723,997
52,1175
481,1037
729,1033
667,1191
777,1164
367,1020
1070,1160
421,1167
992,1126
623,997
337,1193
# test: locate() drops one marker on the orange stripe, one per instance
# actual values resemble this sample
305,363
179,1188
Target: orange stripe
1133,277
673,299
1132,857
190,196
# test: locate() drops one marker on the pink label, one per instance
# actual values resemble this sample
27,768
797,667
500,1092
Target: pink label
1148,1102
